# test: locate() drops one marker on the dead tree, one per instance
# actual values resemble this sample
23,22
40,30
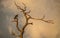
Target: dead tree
27,17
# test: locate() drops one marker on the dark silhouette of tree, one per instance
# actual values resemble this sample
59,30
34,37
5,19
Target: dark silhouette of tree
27,17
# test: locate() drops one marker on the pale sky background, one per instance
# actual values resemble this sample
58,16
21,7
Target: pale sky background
49,8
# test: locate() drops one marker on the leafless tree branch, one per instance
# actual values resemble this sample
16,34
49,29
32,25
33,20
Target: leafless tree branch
27,17
42,19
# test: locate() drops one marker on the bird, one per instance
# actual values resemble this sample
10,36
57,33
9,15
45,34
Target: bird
16,16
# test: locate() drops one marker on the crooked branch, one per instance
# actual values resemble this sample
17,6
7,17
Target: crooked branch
27,17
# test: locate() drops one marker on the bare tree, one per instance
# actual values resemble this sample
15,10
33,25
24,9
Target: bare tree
27,17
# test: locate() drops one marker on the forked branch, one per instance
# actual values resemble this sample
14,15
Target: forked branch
27,17
43,19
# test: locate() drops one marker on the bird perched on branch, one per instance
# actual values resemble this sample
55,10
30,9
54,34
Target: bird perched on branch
15,18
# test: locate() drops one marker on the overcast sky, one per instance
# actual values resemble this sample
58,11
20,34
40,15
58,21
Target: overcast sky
49,8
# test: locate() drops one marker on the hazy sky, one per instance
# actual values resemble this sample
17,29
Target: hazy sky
49,8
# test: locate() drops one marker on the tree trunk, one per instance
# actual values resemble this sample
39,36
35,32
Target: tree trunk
21,36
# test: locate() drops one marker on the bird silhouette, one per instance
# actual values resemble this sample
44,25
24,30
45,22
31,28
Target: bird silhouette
16,16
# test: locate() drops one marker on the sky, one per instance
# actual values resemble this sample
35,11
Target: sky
49,8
